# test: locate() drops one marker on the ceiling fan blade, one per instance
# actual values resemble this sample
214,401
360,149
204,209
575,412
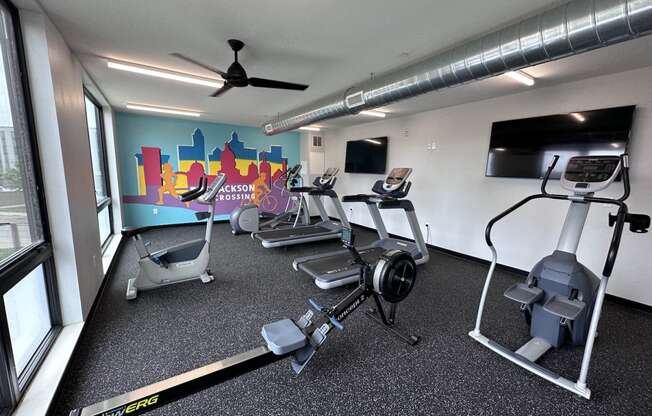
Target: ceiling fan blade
270,83
203,65
221,91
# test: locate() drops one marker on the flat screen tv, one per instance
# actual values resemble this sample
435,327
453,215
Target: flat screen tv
366,155
523,148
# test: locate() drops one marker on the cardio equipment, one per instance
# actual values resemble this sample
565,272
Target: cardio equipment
336,268
248,218
391,279
182,262
562,299
323,230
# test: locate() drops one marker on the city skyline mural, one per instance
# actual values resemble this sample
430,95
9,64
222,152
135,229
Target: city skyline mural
162,172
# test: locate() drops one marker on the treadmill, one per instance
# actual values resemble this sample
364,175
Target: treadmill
326,229
337,268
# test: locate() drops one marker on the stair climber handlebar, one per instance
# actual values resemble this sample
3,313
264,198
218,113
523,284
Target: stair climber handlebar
638,223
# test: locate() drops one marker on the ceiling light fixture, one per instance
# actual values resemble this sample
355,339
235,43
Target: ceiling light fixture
372,113
166,74
163,110
521,77
310,128
579,117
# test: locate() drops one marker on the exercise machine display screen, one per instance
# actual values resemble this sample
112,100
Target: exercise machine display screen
591,169
347,237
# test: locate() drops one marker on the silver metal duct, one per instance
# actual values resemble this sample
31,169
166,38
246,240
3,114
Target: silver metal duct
569,29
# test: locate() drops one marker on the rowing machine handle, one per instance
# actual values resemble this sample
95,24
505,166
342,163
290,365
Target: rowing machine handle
552,165
316,306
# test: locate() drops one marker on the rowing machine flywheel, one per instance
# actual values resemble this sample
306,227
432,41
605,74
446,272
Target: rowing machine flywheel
394,275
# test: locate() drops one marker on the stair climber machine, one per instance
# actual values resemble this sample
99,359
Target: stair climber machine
322,230
182,262
562,299
391,278
248,218
336,268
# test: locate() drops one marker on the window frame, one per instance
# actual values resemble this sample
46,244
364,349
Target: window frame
17,266
106,202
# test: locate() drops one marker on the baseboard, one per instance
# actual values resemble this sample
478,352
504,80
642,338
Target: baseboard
514,270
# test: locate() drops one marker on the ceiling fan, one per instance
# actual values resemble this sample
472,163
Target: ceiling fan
236,76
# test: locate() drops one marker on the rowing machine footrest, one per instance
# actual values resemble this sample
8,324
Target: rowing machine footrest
283,337
524,294
563,307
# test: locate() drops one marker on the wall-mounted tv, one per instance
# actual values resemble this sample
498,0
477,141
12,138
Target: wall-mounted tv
366,155
523,148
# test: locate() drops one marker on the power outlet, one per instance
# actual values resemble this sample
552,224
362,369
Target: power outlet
431,145
155,211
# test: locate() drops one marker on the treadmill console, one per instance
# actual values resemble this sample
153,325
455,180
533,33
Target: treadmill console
588,174
209,196
327,180
292,174
396,179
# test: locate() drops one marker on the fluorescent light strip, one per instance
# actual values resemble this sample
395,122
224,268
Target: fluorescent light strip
521,77
579,117
372,113
309,128
160,73
163,110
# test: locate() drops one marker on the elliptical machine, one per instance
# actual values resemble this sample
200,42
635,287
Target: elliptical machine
391,279
181,262
562,299
249,218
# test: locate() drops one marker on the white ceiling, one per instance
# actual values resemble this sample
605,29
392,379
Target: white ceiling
328,44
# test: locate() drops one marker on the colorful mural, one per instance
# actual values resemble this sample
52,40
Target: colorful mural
253,175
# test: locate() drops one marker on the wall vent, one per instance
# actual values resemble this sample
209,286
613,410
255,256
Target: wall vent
317,144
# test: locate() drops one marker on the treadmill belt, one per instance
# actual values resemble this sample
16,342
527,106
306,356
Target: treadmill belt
288,233
323,267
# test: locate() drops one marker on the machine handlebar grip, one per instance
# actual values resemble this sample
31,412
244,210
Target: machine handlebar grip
337,324
316,306
313,304
552,165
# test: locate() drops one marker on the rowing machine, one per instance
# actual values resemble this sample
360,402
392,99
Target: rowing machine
391,279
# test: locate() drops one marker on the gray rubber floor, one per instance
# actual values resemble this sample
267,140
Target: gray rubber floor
361,371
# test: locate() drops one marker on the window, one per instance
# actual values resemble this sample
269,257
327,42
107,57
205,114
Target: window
29,315
100,176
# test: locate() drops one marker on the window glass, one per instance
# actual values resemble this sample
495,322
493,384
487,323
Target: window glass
28,316
20,222
104,221
97,151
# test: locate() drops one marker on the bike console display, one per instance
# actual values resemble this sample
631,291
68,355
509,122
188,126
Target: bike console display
587,174
348,238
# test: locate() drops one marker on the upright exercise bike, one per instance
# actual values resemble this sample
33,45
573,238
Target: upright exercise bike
181,262
391,279
562,299
249,218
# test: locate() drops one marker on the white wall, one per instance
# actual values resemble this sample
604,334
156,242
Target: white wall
452,194
55,77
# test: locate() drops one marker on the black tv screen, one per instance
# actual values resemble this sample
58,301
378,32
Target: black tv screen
366,155
523,148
